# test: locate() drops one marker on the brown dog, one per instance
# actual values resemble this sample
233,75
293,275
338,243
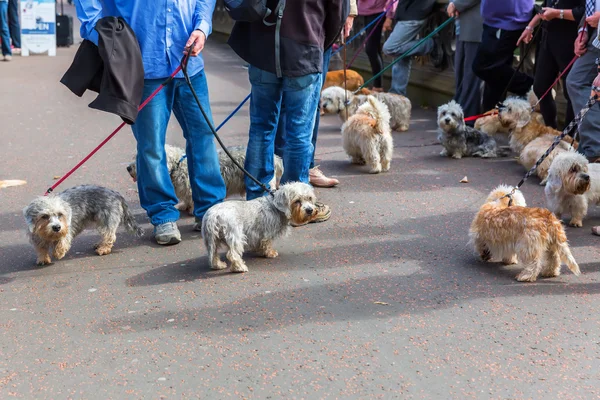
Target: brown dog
354,80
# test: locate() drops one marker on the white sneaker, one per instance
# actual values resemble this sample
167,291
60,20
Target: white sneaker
7,58
167,234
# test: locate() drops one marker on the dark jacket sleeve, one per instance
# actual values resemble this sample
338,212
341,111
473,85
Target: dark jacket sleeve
336,12
579,12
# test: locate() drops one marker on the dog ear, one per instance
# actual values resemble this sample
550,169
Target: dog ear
29,215
281,201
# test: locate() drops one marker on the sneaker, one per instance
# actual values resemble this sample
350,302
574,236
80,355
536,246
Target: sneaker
167,234
317,178
322,214
7,58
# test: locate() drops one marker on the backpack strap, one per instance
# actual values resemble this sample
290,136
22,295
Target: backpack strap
278,11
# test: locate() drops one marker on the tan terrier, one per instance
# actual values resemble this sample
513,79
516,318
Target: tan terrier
517,233
536,149
354,80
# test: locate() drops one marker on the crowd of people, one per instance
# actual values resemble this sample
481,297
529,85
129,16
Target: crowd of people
10,28
289,53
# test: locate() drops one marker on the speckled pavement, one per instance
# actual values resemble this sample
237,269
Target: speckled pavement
385,300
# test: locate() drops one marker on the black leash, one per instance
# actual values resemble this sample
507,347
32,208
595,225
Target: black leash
184,62
573,125
522,61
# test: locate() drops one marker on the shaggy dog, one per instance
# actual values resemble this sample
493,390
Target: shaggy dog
573,184
54,221
334,102
515,115
354,80
532,236
491,125
536,149
460,140
232,175
367,137
255,224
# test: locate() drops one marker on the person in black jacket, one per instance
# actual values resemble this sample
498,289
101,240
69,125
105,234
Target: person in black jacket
411,16
555,52
289,71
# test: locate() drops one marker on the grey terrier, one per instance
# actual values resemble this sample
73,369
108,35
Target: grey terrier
253,225
54,221
232,175
460,140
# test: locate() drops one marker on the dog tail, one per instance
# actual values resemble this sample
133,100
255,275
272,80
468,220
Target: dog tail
567,258
382,113
129,221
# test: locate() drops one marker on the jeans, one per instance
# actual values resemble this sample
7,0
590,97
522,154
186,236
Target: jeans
579,86
13,23
468,85
402,39
4,32
157,195
280,136
301,98
493,64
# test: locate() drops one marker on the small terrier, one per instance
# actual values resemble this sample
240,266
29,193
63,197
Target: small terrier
354,80
255,224
54,221
532,236
460,140
367,137
232,175
573,183
537,148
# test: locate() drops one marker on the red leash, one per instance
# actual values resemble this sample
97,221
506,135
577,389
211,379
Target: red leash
474,117
75,168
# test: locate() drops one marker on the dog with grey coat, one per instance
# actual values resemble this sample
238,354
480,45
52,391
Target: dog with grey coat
460,140
54,221
254,225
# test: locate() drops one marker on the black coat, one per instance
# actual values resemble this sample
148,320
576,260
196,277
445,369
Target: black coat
307,28
113,69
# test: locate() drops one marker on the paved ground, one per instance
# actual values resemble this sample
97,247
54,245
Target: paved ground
153,322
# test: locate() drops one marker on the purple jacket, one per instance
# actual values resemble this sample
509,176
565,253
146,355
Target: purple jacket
510,15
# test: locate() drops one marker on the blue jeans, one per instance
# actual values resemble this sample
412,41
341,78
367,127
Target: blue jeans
280,137
4,32
157,195
14,25
402,39
301,97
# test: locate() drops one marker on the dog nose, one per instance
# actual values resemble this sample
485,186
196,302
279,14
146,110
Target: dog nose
309,210
585,177
129,168
447,120
56,228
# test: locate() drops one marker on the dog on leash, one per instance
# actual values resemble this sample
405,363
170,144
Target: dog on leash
491,125
333,101
515,115
232,175
367,137
54,221
255,224
573,183
354,80
515,234
536,149
460,140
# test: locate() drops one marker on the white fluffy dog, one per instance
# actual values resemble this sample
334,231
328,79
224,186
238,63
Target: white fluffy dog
367,137
232,175
573,183
399,107
253,225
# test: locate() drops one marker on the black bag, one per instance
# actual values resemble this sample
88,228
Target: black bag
64,30
247,10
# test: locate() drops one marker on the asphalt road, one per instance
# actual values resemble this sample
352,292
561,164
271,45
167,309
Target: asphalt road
154,322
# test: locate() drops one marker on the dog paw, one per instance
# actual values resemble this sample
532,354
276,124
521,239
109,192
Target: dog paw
510,261
456,156
103,250
219,265
239,267
375,169
526,276
576,223
551,274
59,255
444,153
271,253
357,161
44,261
385,167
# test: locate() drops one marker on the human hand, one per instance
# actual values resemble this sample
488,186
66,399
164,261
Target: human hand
452,11
200,38
348,26
548,14
526,37
387,25
581,44
592,20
